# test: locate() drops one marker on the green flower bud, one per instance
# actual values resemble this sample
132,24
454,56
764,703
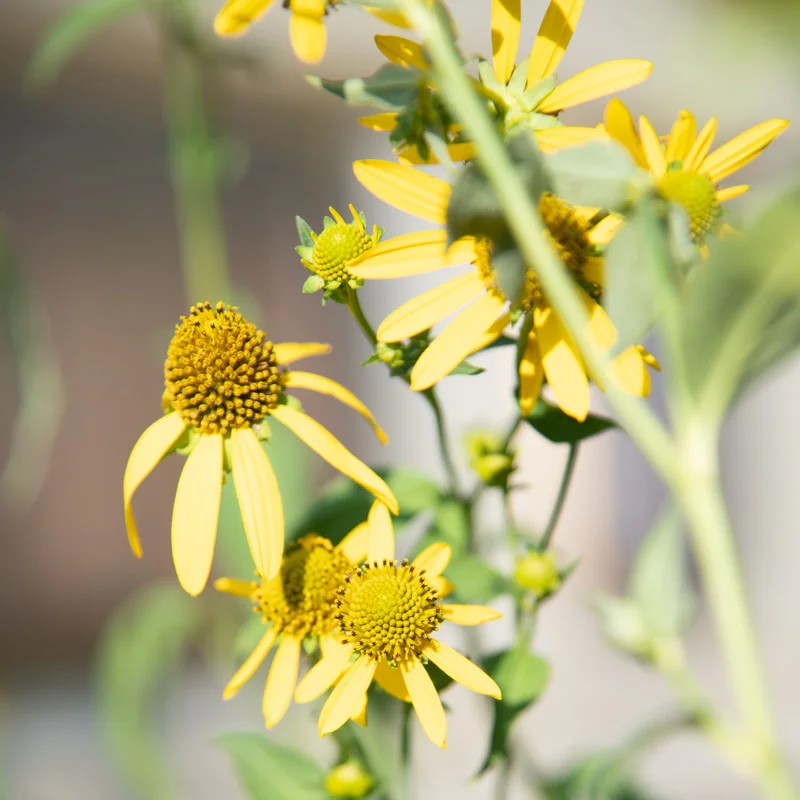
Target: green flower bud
538,573
349,780
391,354
488,457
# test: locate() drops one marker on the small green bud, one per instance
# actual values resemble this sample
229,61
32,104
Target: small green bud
538,573
348,780
488,457
391,354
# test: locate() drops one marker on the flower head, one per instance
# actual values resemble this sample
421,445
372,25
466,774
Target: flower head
223,378
388,613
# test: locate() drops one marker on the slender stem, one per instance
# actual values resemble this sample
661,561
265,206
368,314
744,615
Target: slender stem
354,304
407,787
555,514
511,432
442,438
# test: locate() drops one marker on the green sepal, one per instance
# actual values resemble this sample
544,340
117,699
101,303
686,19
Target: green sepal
313,283
262,431
390,88
327,222
489,79
519,77
187,441
304,232
538,92
305,252
310,645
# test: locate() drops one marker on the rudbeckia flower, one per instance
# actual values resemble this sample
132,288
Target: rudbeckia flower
306,26
685,170
297,604
388,613
223,379
549,352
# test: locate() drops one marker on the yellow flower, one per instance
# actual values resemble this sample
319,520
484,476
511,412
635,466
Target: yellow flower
388,613
296,604
223,379
549,351
685,170
306,26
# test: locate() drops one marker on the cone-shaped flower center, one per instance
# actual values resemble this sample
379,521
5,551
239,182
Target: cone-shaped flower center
336,246
388,611
301,599
220,372
698,195
569,235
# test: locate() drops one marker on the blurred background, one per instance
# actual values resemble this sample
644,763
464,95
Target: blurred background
92,243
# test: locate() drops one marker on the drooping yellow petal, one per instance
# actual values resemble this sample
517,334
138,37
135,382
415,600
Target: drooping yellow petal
353,684
469,615
323,385
506,15
682,137
461,669
383,123
251,663
531,375
405,188
328,447
619,124
381,534
236,16
259,500
701,146
652,148
307,30
412,254
150,448
597,81
630,373
195,513
281,680
426,309
462,337
359,711
458,151
323,674
426,701
740,151
433,560
555,33
391,681
562,364
402,51
287,352
600,329
731,193
235,587
552,139
395,18
355,545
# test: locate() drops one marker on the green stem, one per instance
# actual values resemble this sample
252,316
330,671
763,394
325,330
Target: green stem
441,436
407,787
555,514
354,304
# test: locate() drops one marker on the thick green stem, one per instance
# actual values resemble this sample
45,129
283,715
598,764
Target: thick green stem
561,497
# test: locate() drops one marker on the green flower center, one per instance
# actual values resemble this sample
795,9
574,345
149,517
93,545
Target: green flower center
220,373
698,195
388,611
336,246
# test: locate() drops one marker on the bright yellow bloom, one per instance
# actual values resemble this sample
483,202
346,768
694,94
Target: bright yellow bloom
306,26
388,613
683,167
549,351
298,603
223,379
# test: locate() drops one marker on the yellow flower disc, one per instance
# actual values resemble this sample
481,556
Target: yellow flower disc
698,195
220,372
388,611
336,246
301,599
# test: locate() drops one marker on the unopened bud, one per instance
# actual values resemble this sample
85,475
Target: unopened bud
538,573
349,780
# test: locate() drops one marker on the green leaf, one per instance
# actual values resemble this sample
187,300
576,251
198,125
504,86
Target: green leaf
465,368
70,32
599,777
391,88
623,624
304,232
138,654
555,425
475,581
313,283
414,491
269,771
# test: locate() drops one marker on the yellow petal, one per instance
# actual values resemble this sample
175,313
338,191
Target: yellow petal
462,337
402,51
552,139
425,310
381,534
469,615
323,674
235,587
383,123
412,254
742,150
433,560
442,586
359,712
355,545
307,30
352,685
236,16
603,233
426,701
323,385
281,680
287,352
555,33
701,146
682,137
652,148
597,81
731,193
506,16
531,375
195,513
395,18
405,188
150,448
619,124
328,447
391,681
600,329
251,664
562,365
630,373
461,669
259,500
458,151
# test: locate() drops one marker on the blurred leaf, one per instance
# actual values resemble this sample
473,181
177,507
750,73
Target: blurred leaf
70,32
269,771
391,88
138,654
379,741
552,423
248,636
414,491
475,581
623,624
599,777
452,524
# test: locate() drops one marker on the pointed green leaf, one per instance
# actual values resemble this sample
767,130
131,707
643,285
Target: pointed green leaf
555,425
304,232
